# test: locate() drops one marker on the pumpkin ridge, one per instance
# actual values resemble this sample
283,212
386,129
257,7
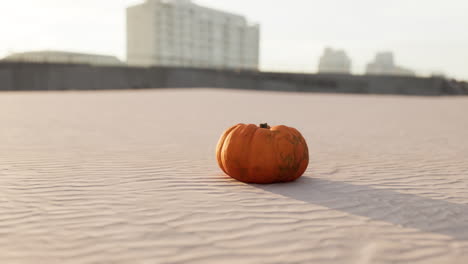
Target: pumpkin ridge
252,171
234,152
249,151
241,142
281,173
220,145
226,144
304,162
273,150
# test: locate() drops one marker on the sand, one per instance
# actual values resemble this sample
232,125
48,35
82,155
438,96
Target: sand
131,177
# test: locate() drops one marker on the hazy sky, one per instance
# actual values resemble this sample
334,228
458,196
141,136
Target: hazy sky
425,35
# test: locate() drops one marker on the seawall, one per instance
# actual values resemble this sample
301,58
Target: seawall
39,76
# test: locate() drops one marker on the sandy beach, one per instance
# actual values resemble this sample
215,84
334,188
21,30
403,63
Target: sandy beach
131,177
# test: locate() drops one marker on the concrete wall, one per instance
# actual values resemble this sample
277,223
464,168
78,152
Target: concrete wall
34,76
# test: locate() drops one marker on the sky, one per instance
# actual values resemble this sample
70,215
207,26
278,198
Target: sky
428,36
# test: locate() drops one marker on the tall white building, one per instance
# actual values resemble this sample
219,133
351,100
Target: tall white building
334,61
181,33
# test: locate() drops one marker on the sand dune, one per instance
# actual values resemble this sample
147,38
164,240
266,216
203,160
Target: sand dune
131,177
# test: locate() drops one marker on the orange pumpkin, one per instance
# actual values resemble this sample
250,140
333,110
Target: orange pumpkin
262,154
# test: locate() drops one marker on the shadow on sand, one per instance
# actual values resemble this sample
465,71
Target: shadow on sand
406,210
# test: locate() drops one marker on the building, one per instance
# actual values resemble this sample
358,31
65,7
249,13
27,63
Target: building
334,61
63,57
384,64
181,33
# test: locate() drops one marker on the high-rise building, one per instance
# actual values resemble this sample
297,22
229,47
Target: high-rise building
384,64
181,33
334,61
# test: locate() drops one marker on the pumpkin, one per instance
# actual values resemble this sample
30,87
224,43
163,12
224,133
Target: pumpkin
262,154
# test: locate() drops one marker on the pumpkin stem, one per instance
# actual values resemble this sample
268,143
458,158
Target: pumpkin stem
265,125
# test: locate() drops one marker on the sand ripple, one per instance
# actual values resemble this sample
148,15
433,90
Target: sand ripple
131,177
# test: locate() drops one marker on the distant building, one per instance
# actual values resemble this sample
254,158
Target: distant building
384,64
181,33
438,74
63,57
334,61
